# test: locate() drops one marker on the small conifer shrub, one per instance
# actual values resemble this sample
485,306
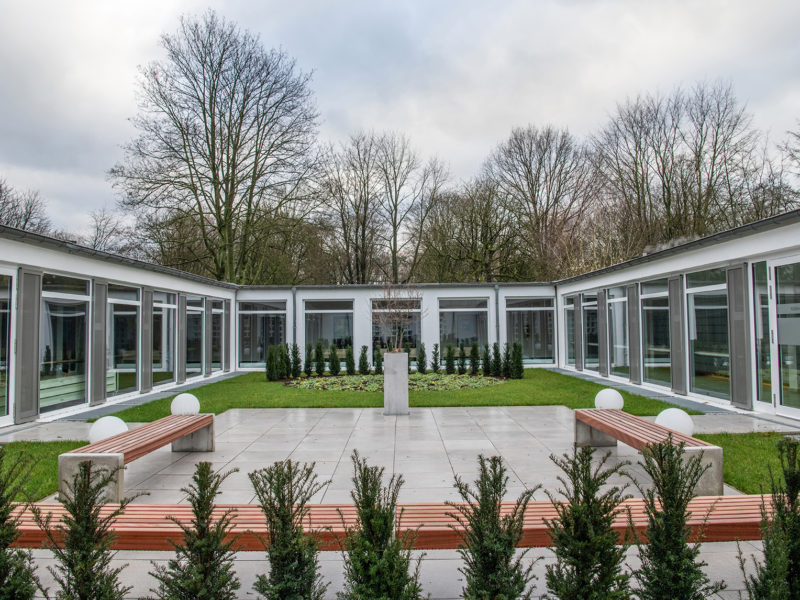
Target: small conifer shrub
486,361
363,363
377,563
17,572
670,564
81,542
497,361
474,359
378,362
349,361
489,539
422,359
319,359
462,360
203,564
588,559
297,367
435,359
334,364
506,361
272,364
517,365
450,360
308,365
284,491
285,367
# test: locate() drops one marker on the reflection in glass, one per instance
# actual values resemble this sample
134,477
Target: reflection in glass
533,330
655,341
591,356
217,324
163,344
619,359
456,328
194,343
787,284
257,332
5,341
709,364
62,344
122,349
763,362
569,323
329,329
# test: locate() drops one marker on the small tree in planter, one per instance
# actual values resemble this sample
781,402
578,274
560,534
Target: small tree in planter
284,491
486,362
18,579
349,361
203,563
450,360
334,365
670,565
297,367
363,363
497,361
506,361
517,365
81,542
422,359
474,359
376,562
308,365
378,362
462,360
489,540
588,559
319,359
435,359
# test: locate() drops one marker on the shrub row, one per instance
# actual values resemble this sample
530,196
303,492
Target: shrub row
588,558
283,363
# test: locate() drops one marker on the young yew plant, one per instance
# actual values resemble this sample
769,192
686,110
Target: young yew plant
435,359
506,361
285,362
670,565
377,564
363,363
308,365
297,366
203,564
334,364
517,366
349,361
450,360
422,359
474,359
486,361
489,539
81,541
284,491
588,560
462,360
319,359
17,573
378,362
497,361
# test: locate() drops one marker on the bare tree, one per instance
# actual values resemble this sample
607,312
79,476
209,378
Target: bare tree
226,130
23,210
544,177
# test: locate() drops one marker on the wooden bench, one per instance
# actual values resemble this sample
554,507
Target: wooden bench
604,427
145,526
187,433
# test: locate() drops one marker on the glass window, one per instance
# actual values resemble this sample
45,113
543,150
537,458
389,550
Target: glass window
63,343
570,301
569,323
194,343
123,292
704,278
262,306
257,332
217,339
534,331
122,349
708,343
194,301
618,357
5,341
529,303
64,285
656,286
217,305
396,304
616,293
590,298
456,328
763,359
464,303
787,289
655,341
591,349
392,329
163,344
329,329
164,298
329,305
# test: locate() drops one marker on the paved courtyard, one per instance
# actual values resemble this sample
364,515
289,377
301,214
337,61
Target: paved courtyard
429,447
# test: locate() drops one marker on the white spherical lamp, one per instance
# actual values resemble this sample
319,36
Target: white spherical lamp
608,398
105,427
185,404
677,419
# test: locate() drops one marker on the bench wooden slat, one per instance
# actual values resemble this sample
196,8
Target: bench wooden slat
145,527
632,430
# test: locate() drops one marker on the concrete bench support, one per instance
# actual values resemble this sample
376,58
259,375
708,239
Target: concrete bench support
201,440
111,462
711,483
586,435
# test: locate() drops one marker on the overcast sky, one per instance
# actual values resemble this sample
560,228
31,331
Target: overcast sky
455,76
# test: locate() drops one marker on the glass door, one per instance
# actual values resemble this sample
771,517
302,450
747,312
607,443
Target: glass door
785,321
6,355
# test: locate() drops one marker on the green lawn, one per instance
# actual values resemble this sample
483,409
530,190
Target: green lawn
747,459
43,479
540,387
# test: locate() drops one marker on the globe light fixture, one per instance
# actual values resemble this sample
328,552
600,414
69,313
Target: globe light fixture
608,398
105,427
677,419
185,404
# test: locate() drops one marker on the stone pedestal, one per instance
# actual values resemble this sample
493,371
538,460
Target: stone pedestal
395,383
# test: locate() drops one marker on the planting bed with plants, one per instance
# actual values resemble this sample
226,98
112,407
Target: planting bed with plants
374,383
